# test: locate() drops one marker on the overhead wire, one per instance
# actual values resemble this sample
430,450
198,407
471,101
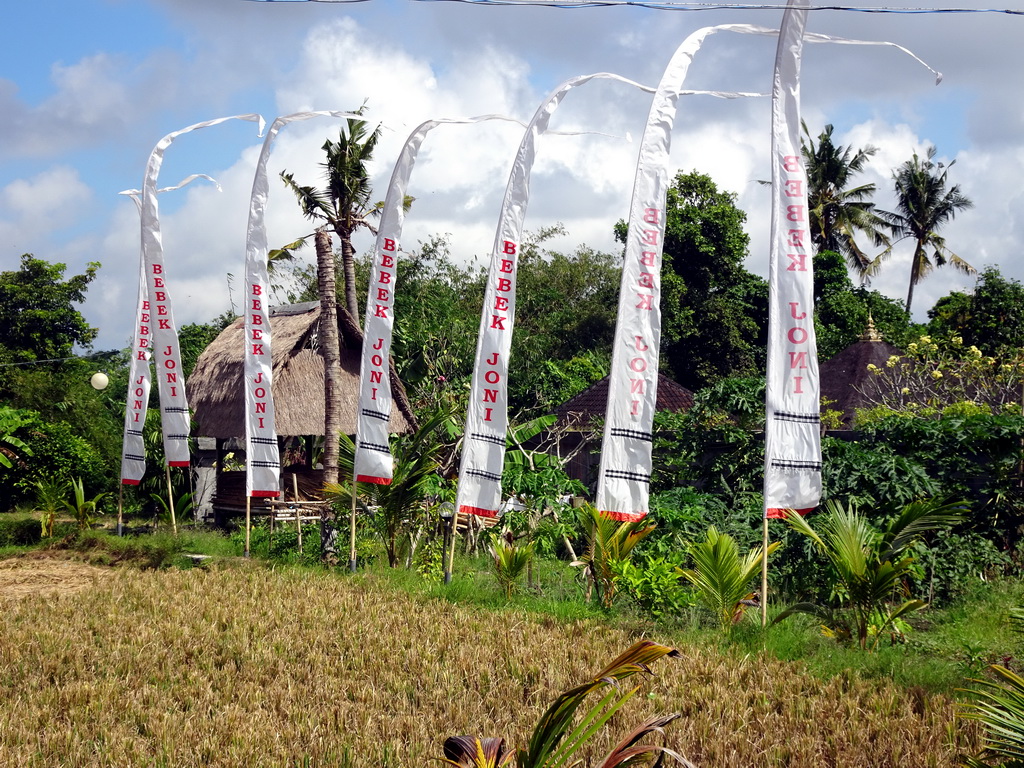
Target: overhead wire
669,5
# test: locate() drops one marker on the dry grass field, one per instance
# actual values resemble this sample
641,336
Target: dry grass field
256,667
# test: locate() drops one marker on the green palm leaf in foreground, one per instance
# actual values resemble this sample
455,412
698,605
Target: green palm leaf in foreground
560,733
999,707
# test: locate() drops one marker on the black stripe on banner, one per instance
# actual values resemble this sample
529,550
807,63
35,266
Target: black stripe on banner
485,475
374,447
264,441
176,410
177,437
808,418
621,474
806,465
375,414
632,433
265,464
488,438
133,457
135,432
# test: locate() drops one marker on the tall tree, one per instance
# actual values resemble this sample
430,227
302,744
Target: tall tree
38,319
924,204
344,204
714,311
989,318
838,211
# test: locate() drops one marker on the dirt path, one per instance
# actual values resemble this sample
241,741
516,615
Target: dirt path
44,574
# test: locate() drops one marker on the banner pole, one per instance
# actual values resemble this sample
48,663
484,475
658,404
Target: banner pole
170,500
298,517
451,547
352,529
248,526
120,510
764,573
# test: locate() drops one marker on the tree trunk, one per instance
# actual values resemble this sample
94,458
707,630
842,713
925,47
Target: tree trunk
915,269
348,265
330,348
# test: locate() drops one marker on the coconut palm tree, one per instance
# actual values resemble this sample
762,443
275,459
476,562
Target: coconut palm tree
344,204
837,211
923,205
870,565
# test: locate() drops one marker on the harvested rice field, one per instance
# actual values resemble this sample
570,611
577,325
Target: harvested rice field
258,667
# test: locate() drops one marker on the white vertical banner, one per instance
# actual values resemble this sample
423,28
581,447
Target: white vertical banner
792,455
133,450
792,451
483,446
262,456
373,460
173,404
625,471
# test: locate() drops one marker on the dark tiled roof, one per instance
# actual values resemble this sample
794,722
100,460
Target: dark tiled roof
591,404
843,377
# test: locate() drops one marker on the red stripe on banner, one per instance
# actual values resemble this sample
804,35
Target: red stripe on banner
774,513
178,464
372,479
129,482
266,494
478,511
625,517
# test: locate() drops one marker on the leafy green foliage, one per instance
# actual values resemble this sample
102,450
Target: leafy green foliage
510,562
653,584
399,504
83,509
722,577
38,319
608,542
12,448
988,318
841,311
870,565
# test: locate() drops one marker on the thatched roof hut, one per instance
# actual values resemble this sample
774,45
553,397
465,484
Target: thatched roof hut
844,377
217,396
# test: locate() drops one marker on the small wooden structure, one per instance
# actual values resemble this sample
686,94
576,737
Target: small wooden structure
217,397
845,377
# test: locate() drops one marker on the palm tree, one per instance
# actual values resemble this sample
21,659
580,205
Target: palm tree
344,205
923,206
836,211
870,566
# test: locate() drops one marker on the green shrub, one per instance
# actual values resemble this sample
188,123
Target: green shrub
654,585
18,531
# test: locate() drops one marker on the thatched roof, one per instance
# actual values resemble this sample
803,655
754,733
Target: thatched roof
843,377
592,403
217,397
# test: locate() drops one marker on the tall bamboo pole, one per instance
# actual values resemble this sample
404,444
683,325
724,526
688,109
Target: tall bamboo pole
248,523
764,573
352,529
170,500
120,510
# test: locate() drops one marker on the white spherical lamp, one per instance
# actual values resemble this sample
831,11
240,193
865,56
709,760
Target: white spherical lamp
99,380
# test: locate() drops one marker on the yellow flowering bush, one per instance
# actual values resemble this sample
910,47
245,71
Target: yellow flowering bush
936,373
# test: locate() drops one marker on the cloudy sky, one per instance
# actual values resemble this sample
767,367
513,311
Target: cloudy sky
87,87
